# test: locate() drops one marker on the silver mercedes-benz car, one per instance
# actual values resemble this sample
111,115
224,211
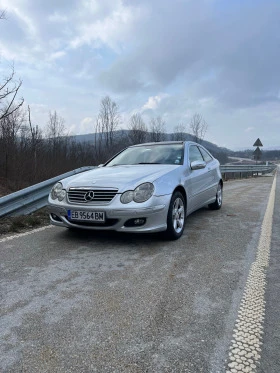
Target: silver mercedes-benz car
145,188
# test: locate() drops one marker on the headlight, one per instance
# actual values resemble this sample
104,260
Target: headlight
58,192
127,197
141,194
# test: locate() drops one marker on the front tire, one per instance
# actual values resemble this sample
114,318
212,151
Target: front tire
176,216
219,199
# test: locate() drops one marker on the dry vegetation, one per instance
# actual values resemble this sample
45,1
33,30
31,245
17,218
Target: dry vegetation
19,224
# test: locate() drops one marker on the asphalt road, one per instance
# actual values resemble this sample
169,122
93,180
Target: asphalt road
108,302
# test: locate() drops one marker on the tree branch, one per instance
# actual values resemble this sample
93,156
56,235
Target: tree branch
7,80
7,111
3,14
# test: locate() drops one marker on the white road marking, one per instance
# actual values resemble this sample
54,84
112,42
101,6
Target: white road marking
247,338
18,235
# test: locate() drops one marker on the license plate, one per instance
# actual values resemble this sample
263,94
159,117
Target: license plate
86,215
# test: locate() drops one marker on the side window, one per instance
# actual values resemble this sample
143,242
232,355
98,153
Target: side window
194,154
207,157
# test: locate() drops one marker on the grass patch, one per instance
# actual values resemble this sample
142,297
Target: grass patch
18,224
33,220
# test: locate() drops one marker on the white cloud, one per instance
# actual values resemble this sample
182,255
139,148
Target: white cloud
207,102
112,30
14,9
57,55
86,121
249,129
154,101
86,125
57,17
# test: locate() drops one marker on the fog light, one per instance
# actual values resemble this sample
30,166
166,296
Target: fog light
55,217
137,222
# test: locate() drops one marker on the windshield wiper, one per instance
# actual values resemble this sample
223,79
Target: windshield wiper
133,164
148,163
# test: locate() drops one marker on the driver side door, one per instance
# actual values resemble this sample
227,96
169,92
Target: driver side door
198,181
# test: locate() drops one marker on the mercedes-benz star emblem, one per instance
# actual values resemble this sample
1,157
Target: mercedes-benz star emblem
89,196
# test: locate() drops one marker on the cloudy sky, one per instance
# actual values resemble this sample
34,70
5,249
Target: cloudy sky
169,58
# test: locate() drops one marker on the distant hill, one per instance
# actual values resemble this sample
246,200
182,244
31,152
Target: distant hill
90,137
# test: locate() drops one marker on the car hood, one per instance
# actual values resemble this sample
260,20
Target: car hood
120,177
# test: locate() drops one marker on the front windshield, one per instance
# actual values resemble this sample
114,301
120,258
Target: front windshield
150,154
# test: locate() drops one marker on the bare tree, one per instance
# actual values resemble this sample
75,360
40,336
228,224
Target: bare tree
55,128
106,124
57,141
137,129
198,127
179,133
9,128
157,129
33,130
9,88
36,140
10,125
108,119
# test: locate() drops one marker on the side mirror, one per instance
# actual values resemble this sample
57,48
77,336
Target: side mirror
198,165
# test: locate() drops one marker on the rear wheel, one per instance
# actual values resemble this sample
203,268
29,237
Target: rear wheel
219,199
176,217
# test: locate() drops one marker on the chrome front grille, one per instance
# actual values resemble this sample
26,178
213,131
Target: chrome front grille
86,195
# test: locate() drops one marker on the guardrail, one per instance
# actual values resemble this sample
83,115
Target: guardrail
35,197
32,198
235,171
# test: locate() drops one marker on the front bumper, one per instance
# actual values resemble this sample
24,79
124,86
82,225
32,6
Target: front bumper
154,214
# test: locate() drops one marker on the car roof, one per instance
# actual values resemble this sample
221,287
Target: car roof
164,143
